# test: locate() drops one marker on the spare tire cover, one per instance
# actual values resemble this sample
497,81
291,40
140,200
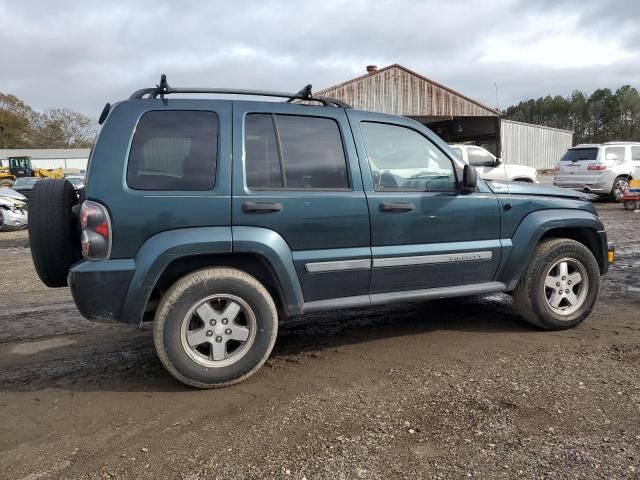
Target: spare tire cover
54,232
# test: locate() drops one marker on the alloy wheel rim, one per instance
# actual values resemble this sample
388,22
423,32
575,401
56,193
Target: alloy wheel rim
218,330
566,286
621,186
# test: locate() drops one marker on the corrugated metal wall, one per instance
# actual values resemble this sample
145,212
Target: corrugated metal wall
75,163
533,145
397,91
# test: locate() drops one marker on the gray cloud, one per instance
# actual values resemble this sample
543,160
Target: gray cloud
82,54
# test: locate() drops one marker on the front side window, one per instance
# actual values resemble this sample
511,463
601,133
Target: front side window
174,150
402,159
294,152
479,157
635,154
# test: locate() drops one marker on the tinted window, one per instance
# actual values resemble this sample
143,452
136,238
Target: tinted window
262,163
479,158
403,159
614,153
635,153
309,154
576,154
174,150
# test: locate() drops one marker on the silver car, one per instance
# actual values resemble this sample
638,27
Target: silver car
602,169
13,211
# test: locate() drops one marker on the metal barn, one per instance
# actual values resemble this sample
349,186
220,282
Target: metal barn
453,116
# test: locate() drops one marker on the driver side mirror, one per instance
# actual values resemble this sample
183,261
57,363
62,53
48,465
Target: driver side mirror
497,162
469,178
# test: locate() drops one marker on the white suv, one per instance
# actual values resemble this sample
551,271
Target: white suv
603,169
491,168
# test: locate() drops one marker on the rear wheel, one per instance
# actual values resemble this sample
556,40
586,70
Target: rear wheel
215,327
559,286
620,184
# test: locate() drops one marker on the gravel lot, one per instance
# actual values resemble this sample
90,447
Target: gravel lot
450,389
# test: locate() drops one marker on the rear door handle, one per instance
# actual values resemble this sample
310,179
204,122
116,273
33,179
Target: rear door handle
261,207
397,207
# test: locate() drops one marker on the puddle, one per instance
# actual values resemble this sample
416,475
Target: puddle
36,347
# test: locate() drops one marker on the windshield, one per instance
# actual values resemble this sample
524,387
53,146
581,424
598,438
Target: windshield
25,182
76,180
575,154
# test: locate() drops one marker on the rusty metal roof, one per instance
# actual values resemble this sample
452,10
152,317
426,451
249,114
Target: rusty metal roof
398,90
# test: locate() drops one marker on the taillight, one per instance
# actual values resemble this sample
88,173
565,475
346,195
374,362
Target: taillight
596,166
96,231
557,167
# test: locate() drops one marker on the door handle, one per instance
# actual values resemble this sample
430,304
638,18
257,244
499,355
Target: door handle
261,207
397,207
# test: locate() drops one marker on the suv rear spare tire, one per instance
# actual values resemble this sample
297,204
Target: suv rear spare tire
559,286
54,235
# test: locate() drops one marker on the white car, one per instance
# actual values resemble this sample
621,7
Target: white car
491,168
13,211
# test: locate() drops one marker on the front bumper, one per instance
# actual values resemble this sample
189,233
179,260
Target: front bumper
99,288
13,219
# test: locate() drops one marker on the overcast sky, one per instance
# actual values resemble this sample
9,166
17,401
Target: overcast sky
80,54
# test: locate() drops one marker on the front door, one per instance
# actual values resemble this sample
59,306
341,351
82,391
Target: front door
425,232
295,172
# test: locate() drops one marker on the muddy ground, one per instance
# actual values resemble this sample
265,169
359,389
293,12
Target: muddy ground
450,389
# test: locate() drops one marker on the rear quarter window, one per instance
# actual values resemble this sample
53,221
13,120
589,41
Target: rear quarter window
174,150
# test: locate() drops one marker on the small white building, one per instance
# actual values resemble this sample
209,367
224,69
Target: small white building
67,158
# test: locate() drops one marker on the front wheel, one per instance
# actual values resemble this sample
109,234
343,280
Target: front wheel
215,327
559,286
620,184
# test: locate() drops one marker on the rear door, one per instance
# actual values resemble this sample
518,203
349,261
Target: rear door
425,233
295,172
635,159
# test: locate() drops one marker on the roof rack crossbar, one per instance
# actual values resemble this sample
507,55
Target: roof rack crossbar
305,94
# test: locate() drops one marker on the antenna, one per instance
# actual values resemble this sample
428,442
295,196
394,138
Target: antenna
497,101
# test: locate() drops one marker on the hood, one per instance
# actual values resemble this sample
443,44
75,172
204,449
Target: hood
525,188
9,192
11,202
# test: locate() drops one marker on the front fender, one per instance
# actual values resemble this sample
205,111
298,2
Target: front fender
157,252
520,247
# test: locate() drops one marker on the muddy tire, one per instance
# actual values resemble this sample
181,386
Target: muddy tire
620,184
215,327
559,286
631,204
54,235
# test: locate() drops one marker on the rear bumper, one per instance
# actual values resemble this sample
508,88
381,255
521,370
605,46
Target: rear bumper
99,288
600,184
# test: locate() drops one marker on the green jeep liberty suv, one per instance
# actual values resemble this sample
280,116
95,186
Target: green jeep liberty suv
218,218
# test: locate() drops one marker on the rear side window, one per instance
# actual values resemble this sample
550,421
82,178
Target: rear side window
294,152
635,154
614,153
576,154
174,150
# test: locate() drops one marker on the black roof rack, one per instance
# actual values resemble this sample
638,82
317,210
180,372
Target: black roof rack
305,94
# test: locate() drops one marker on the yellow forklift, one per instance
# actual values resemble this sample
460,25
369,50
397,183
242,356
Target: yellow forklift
17,167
